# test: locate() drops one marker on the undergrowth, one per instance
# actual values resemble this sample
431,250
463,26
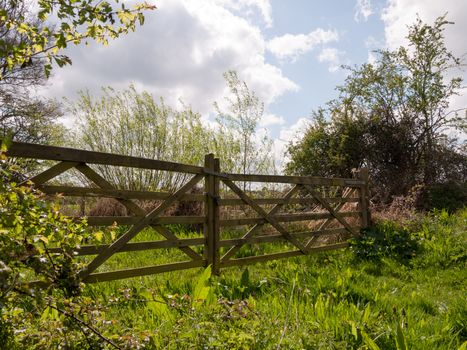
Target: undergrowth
397,287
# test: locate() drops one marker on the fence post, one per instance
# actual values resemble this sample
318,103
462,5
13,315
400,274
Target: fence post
364,201
211,228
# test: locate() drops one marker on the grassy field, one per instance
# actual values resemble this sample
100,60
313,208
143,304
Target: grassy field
398,288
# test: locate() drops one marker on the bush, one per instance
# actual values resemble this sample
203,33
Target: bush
385,239
450,196
50,313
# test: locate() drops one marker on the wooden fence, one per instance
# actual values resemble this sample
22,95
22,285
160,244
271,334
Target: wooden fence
336,207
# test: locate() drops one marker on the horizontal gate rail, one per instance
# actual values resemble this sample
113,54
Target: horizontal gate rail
332,207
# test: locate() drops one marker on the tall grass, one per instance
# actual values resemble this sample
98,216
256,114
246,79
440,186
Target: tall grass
334,300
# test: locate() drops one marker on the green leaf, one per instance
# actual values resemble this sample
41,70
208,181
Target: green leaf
369,342
401,342
98,236
6,143
202,287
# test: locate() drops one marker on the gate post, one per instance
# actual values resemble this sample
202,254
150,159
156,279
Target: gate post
211,226
363,192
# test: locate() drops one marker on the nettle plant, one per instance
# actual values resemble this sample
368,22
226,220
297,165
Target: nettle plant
40,291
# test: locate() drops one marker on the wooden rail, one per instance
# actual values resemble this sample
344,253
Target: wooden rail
339,215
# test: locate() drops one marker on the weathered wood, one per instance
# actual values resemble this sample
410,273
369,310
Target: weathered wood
363,175
142,271
122,240
172,238
347,193
70,158
52,172
254,229
115,193
265,215
285,218
131,220
261,258
34,151
103,183
299,200
216,216
136,246
326,205
277,237
187,220
308,180
212,212
129,194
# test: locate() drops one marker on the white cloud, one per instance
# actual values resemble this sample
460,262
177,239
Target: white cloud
363,10
291,47
401,13
181,52
248,6
332,57
270,119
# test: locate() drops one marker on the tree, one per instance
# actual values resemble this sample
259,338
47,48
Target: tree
77,21
23,116
391,116
245,110
338,142
133,123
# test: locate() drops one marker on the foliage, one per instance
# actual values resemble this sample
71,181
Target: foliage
245,111
322,301
391,116
40,290
328,300
450,196
23,116
76,21
446,246
386,239
133,123
329,148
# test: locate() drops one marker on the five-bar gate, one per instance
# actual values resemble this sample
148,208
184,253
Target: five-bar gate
307,214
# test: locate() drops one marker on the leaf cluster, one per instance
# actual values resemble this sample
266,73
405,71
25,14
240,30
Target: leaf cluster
77,22
40,289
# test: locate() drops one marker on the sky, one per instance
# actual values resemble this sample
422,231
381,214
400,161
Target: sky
289,52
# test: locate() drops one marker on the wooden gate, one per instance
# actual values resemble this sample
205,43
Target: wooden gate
324,207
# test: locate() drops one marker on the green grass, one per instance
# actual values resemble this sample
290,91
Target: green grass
331,300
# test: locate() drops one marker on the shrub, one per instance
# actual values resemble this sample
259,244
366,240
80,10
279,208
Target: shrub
386,239
451,196
50,313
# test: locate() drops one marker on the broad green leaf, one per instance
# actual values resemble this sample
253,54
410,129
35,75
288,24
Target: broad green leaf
202,287
369,342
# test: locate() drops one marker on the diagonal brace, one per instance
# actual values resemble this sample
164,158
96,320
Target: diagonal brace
326,205
103,183
133,231
256,227
347,193
265,215
50,173
173,238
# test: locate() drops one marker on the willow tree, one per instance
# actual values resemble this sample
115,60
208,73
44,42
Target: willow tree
135,124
